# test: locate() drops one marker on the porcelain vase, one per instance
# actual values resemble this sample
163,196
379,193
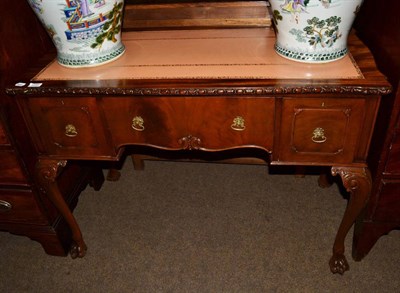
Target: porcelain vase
313,31
84,32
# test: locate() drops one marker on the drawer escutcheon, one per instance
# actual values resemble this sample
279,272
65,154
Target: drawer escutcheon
238,124
318,135
138,123
70,130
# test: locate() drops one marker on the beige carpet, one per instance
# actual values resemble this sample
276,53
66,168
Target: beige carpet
203,227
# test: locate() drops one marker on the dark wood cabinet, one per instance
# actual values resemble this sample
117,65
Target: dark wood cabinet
382,214
24,209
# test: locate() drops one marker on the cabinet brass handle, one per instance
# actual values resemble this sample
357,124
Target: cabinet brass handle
238,124
5,206
137,123
70,130
318,135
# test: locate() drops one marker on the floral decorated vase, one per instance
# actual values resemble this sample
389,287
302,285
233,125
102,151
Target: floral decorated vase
85,32
313,31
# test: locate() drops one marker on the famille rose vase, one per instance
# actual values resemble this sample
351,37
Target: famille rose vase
313,31
85,32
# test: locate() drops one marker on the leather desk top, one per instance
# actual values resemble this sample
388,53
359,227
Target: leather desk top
203,54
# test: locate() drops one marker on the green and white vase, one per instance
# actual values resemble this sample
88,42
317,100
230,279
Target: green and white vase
85,32
313,31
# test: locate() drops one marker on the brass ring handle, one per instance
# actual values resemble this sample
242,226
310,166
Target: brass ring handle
5,206
318,135
137,123
238,124
70,130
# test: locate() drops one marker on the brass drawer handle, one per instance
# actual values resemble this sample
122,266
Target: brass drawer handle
137,123
70,130
5,206
318,135
238,124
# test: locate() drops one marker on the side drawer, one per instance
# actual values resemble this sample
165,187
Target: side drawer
70,127
20,207
320,130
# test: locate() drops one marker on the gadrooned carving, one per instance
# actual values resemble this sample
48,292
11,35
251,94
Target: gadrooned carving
223,91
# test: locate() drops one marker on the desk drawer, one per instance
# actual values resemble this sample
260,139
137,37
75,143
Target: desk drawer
179,123
69,127
21,207
146,121
320,130
230,122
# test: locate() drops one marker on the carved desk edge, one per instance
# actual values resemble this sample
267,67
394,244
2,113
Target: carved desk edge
200,91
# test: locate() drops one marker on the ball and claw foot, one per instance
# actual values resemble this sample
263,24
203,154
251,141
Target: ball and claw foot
338,264
77,251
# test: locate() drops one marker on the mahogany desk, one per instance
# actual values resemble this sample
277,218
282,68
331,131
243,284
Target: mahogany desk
208,90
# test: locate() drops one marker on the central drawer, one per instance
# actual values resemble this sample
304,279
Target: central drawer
191,122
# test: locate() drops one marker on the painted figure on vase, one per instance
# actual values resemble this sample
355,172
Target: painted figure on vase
293,6
84,8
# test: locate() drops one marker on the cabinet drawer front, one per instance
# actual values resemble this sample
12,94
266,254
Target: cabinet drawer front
146,121
21,207
180,123
320,130
222,123
11,172
69,127
393,163
388,208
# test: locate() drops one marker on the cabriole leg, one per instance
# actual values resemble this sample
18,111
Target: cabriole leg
357,182
47,172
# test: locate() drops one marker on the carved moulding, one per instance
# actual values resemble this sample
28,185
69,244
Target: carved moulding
190,142
218,91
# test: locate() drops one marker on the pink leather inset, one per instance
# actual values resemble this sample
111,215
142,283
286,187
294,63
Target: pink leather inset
200,54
